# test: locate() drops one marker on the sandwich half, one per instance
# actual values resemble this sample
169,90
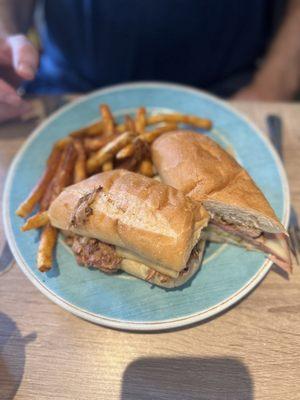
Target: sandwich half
240,214
120,220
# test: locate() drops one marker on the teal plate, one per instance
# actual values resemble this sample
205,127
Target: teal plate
228,273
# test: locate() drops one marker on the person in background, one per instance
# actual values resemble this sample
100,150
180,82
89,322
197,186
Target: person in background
226,47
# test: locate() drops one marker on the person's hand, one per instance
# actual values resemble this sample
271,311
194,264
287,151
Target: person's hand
20,59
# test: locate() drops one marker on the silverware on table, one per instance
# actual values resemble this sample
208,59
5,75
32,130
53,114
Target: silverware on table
274,124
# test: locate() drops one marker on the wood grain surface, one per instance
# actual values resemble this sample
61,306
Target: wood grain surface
249,352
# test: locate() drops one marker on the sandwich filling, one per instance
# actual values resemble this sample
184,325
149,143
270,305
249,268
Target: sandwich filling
222,222
273,244
93,253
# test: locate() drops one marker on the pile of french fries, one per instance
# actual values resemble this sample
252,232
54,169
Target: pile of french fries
101,146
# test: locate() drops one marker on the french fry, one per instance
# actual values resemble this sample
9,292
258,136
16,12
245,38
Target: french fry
129,123
47,198
62,143
36,221
63,177
150,136
141,152
94,144
130,149
121,128
40,188
107,119
108,151
80,164
46,247
146,168
107,166
140,120
94,129
202,123
127,151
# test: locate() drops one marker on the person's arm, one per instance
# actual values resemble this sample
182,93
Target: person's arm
278,77
18,57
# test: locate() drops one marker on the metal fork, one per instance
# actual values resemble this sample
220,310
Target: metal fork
274,124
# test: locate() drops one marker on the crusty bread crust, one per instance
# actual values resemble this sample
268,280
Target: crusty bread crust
137,213
200,168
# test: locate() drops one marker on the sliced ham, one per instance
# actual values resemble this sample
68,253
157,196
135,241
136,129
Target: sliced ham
275,245
249,231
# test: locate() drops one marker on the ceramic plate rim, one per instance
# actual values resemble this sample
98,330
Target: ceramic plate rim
143,325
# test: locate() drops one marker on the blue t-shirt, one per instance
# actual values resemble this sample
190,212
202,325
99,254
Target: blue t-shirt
210,44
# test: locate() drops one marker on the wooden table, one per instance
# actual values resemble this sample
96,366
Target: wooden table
250,352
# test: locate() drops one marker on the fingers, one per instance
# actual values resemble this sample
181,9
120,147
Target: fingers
8,94
7,111
24,56
11,105
5,52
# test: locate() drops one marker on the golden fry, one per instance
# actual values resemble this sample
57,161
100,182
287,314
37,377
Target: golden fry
121,128
181,118
127,151
150,136
140,120
46,247
40,188
108,151
107,119
141,152
94,144
107,166
146,168
62,178
129,123
80,164
36,221
94,129
62,143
